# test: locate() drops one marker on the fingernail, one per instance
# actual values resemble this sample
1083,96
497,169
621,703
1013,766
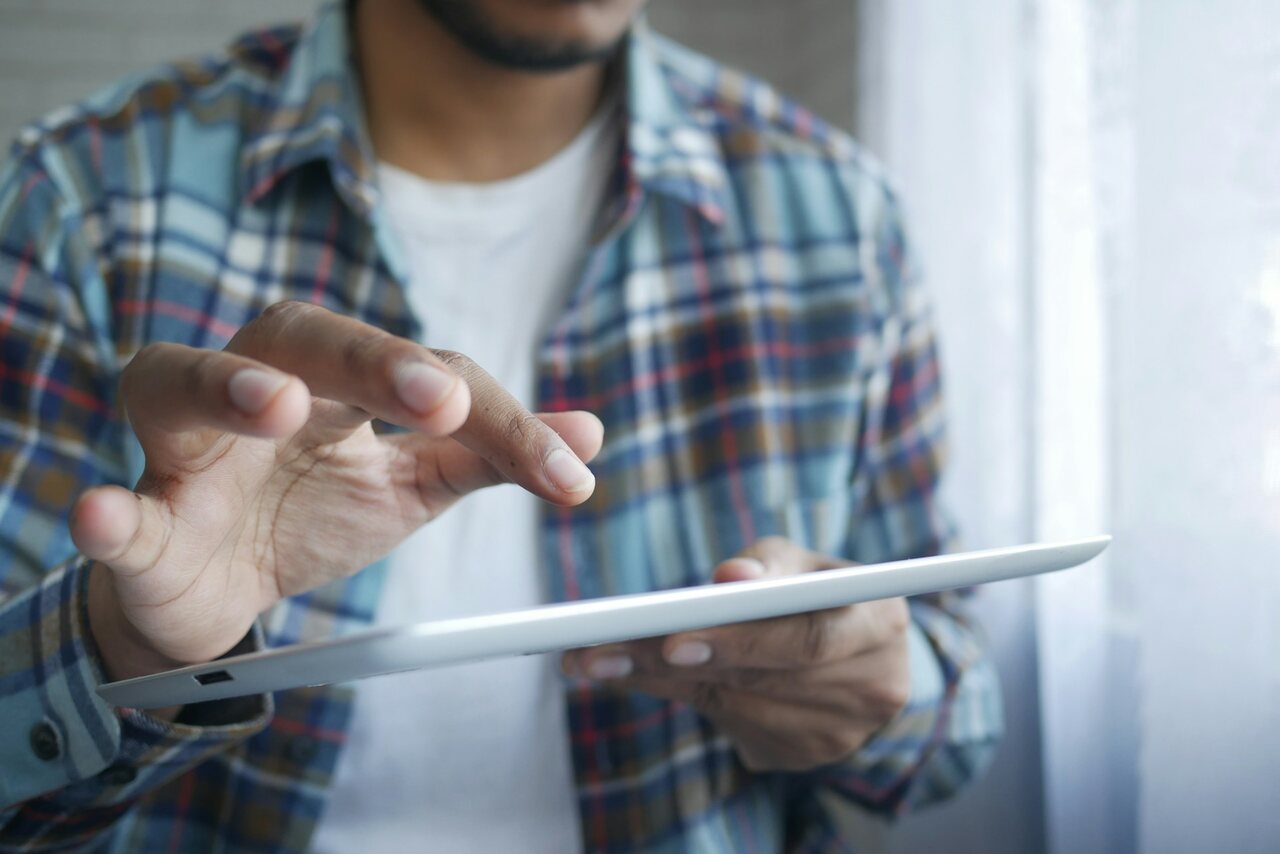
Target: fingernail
567,472
690,654
422,387
610,667
251,390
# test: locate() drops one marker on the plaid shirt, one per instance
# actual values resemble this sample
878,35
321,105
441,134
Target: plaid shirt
748,327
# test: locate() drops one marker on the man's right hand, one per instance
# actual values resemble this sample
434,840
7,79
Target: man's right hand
264,477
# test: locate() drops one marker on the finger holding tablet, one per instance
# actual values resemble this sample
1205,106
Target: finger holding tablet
792,693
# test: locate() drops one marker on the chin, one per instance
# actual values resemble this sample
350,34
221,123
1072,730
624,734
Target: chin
591,23
542,35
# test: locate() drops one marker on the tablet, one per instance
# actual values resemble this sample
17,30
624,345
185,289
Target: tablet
586,623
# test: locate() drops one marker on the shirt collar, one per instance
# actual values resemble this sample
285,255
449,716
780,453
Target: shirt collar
314,114
672,148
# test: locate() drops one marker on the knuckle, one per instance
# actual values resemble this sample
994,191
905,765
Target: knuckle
748,678
882,700
708,697
833,746
283,313
270,326
815,637
892,697
144,364
755,761
364,352
523,429
773,546
196,373
897,617
140,363
459,363
776,551
745,642
451,357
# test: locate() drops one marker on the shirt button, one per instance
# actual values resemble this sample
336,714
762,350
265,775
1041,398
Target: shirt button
44,741
302,749
119,775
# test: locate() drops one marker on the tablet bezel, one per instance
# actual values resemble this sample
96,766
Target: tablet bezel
568,625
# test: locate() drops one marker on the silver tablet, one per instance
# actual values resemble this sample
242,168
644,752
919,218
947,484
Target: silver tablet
586,623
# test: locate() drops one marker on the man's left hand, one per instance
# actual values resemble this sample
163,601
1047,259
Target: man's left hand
792,693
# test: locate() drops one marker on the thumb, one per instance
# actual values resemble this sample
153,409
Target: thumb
742,568
121,529
771,557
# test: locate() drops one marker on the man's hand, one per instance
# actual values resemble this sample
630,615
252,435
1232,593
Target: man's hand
264,477
792,693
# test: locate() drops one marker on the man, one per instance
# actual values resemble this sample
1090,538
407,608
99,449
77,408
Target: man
218,276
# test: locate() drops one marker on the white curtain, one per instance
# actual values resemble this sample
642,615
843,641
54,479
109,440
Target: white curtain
941,99
1096,191
1196,419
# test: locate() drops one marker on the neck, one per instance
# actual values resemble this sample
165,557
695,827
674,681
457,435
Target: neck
438,110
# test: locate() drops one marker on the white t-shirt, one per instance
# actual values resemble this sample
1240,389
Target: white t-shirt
475,757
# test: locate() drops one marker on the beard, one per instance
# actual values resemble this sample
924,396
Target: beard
483,36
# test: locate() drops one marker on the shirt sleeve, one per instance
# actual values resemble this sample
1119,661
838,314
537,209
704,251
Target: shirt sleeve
72,763
947,734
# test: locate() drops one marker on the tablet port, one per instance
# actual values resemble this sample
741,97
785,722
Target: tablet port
213,677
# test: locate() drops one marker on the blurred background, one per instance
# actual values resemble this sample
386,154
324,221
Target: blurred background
1094,191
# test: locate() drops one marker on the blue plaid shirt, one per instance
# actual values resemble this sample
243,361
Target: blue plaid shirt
749,327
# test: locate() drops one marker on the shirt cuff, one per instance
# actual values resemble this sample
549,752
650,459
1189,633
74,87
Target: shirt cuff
885,772
59,736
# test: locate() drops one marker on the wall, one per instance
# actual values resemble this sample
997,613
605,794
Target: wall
55,52
803,47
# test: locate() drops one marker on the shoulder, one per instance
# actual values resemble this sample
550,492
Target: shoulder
792,172
754,121
119,140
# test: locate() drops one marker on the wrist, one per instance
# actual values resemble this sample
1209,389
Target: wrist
123,651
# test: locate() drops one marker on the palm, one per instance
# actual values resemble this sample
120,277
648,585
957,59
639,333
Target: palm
266,520
333,510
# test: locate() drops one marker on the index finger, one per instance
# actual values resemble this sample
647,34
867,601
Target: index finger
434,392
342,359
